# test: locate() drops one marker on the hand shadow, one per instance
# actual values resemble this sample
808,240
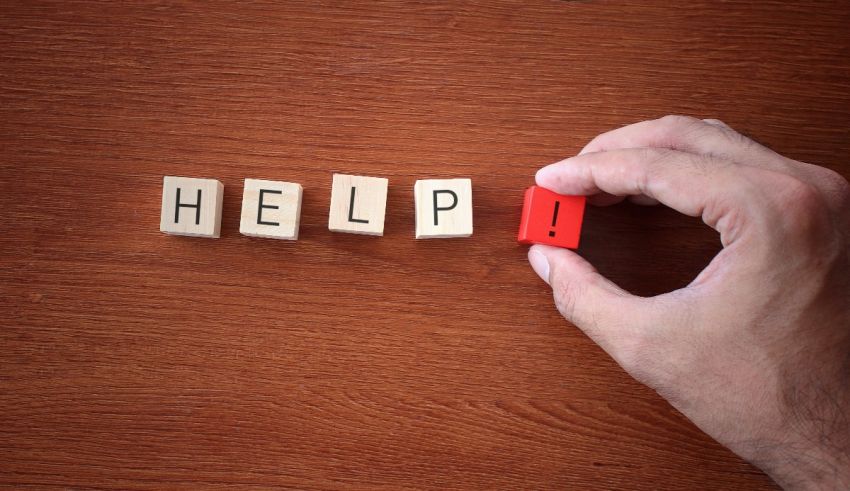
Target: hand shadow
647,250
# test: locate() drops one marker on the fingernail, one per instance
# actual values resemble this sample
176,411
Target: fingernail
546,175
539,264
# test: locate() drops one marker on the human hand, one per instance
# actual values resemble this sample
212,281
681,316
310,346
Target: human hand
756,349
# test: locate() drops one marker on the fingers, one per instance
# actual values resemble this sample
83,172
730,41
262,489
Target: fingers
605,312
692,184
704,137
710,137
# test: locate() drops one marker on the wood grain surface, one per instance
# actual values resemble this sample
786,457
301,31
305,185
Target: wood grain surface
134,360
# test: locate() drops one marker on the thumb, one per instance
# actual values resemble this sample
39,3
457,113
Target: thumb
605,312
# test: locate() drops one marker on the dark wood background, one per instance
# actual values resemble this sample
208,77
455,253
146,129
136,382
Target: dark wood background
135,360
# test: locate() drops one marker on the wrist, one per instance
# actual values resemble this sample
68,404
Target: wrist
814,439
806,467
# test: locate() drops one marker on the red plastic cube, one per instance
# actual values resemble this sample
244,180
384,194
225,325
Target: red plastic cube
550,218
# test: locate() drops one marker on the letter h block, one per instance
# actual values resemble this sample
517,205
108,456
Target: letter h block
191,207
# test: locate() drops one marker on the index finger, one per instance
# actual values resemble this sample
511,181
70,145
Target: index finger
696,185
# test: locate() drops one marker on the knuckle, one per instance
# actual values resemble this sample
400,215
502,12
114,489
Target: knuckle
800,195
565,303
676,120
598,141
597,144
575,302
725,134
651,165
836,183
704,136
715,122
802,206
564,293
744,141
674,130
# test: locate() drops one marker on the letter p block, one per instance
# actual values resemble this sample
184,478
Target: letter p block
443,208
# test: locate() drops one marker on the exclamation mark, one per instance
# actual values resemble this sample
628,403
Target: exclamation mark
554,218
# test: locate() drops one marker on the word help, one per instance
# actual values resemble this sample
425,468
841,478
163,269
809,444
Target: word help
272,209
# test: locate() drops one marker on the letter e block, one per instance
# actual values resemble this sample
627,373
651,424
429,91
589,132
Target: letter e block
191,206
443,208
358,204
271,209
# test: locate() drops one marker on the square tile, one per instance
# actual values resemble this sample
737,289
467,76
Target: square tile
358,204
271,209
443,208
191,206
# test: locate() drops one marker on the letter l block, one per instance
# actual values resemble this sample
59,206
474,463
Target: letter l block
358,204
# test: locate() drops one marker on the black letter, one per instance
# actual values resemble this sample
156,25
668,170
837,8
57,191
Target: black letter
271,207
197,208
437,207
351,209
554,218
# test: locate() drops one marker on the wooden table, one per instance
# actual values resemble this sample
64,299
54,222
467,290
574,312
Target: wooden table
131,359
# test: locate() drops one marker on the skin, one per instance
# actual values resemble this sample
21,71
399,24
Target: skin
756,349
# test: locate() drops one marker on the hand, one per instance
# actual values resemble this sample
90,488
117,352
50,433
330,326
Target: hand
756,349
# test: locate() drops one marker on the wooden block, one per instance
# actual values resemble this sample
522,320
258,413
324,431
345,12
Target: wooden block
551,218
443,208
271,209
358,204
191,206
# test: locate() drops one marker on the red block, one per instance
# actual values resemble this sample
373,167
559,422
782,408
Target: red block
550,218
